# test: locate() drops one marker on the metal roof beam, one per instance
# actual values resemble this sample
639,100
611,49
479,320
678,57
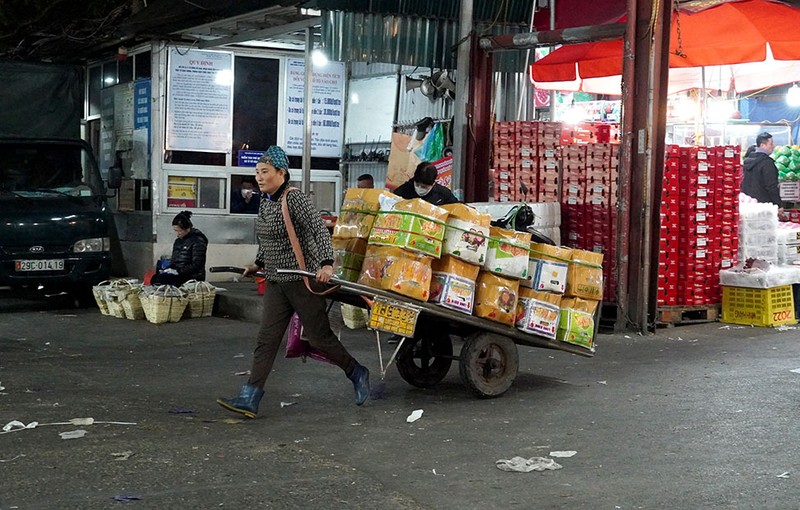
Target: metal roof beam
263,34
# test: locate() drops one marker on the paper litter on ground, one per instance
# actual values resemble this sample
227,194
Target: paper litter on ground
414,416
72,434
522,465
563,454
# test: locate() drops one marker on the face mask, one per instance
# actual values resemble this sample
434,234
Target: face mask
422,190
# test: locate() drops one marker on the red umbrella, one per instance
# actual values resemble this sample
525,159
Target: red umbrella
732,32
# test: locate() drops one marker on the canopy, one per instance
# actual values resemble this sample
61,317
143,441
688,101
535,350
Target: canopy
739,45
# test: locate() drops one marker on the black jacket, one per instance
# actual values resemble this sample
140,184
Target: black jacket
439,195
189,255
760,179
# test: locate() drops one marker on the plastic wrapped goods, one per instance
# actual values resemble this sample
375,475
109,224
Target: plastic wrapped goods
576,322
412,224
547,268
537,312
398,270
348,257
508,253
467,233
453,284
496,298
358,212
585,275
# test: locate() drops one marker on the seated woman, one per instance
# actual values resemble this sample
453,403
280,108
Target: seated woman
188,260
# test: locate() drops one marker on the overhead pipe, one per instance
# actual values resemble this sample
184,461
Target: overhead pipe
607,32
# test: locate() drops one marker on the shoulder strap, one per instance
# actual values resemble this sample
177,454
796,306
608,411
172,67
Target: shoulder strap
295,242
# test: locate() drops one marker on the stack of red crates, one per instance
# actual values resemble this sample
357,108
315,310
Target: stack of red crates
574,225
504,163
702,183
668,238
588,203
526,162
602,178
548,152
728,179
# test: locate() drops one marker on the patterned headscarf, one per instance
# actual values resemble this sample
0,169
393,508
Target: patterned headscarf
275,157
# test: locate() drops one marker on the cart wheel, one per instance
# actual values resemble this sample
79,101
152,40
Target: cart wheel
488,364
424,361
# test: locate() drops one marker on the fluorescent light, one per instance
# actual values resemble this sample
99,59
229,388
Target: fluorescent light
354,98
319,59
793,95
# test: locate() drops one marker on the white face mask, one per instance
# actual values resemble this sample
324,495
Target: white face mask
422,190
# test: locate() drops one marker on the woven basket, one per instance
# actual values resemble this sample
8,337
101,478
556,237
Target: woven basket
116,293
200,299
165,303
99,293
132,304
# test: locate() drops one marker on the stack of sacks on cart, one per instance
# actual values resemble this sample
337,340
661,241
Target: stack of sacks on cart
452,257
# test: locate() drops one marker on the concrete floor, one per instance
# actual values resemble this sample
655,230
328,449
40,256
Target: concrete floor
691,417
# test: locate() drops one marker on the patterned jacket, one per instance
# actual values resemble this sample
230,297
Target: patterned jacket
275,250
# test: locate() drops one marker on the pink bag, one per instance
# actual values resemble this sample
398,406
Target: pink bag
297,347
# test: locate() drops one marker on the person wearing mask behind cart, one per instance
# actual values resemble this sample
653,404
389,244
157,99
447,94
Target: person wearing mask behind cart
423,185
760,179
286,294
188,260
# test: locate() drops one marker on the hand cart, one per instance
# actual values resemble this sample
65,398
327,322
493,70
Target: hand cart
488,361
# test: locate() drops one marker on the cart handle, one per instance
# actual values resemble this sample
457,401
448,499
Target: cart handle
226,269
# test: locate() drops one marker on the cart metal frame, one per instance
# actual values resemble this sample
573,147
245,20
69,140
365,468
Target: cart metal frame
488,360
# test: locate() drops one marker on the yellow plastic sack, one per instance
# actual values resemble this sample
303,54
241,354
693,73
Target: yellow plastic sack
576,322
348,257
496,298
508,253
412,224
398,270
467,233
358,212
585,275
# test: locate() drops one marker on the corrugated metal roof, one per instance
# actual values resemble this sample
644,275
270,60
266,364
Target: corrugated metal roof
498,11
405,40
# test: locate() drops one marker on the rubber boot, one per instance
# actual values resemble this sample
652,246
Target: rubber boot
246,403
360,378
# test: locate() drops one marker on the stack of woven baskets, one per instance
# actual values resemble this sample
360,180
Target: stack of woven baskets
128,299
119,298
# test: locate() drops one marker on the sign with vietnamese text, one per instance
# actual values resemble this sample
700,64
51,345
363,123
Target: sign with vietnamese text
327,114
199,100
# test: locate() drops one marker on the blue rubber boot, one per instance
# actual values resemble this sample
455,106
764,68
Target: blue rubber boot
246,403
360,378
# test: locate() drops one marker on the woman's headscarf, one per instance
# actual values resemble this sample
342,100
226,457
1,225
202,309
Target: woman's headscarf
275,157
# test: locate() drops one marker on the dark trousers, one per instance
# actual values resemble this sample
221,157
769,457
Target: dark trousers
281,300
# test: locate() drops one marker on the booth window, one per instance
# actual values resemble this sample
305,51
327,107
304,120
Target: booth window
195,192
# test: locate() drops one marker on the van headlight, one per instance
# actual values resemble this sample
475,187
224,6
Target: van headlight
95,244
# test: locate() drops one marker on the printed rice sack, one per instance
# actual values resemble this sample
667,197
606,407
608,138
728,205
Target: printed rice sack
508,253
453,283
548,266
398,270
348,257
358,212
467,233
576,322
585,275
496,298
412,224
538,312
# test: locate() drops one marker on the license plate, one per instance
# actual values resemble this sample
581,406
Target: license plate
393,317
40,265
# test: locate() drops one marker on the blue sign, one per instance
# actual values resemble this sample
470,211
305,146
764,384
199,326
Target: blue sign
141,104
249,158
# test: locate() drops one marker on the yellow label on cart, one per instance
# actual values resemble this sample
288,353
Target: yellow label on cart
393,317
